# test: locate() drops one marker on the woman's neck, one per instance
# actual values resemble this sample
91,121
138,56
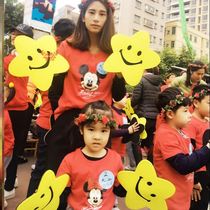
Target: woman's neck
94,43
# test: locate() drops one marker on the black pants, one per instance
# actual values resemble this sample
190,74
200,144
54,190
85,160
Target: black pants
40,165
64,137
18,120
202,204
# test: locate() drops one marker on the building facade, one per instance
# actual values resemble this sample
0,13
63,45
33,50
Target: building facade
142,15
175,40
196,11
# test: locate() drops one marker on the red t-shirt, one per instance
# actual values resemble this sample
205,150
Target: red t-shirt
20,100
167,143
81,88
117,144
8,135
195,129
45,111
91,179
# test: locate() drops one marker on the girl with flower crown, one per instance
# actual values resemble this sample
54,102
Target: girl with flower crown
93,180
174,158
196,129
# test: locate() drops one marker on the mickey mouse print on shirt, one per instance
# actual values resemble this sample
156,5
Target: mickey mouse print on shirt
89,80
96,189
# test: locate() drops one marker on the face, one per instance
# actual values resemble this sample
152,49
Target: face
203,106
197,76
95,17
96,136
181,117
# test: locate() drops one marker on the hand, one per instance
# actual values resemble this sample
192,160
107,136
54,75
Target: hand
133,128
196,196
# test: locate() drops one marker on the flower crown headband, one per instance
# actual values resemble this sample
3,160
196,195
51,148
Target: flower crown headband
109,4
95,118
173,103
201,94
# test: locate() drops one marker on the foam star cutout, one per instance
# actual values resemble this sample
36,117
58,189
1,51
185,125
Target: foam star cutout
38,60
131,56
140,121
144,188
47,195
128,108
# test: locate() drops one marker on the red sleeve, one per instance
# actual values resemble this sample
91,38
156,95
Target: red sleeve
169,145
65,168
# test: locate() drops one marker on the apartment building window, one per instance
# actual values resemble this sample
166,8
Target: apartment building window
199,27
205,1
138,4
135,31
154,39
205,17
161,28
149,9
195,39
155,25
192,19
204,26
199,11
156,12
200,2
190,37
199,19
167,32
205,9
193,2
137,19
164,2
150,38
173,30
193,11
162,15
148,23
207,44
172,44
160,42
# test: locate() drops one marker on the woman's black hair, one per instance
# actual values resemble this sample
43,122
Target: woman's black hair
81,39
192,67
168,95
197,90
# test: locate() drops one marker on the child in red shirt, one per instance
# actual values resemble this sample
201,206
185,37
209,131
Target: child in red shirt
196,128
174,158
93,168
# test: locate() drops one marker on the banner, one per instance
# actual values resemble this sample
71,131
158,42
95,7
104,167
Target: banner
40,13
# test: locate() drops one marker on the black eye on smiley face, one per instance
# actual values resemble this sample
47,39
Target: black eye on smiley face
138,192
30,58
127,62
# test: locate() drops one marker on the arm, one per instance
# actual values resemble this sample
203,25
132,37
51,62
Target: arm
56,89
119,191
185,164
137,94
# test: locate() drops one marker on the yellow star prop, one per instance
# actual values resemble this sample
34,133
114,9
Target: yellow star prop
128,108
141,121
131,56
47,195
38,60
144,188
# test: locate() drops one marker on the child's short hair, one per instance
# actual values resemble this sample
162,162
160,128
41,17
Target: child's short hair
94,112
171,99
200,91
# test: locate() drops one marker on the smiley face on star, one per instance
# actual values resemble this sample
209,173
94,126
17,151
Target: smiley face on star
131,56
38,60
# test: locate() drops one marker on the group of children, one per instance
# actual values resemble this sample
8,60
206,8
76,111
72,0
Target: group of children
86,103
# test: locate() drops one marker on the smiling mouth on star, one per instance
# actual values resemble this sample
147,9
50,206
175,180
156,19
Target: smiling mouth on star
137,190
43,66
127,62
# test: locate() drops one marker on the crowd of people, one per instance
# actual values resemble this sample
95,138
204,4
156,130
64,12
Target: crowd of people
84,132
